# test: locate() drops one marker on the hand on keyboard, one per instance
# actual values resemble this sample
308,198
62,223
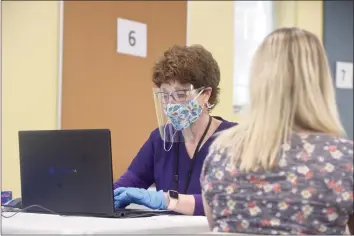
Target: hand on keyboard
152,199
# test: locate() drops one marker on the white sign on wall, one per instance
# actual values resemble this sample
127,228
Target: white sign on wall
344,75
131,37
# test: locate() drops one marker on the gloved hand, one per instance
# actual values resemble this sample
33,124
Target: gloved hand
152,199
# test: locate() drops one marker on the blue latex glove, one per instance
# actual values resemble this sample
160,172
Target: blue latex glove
151,199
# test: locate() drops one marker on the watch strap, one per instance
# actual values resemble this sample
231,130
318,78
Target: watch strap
172,202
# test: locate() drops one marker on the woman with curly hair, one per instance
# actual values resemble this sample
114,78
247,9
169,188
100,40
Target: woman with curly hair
186,80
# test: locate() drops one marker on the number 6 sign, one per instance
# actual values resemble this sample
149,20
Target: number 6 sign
131,37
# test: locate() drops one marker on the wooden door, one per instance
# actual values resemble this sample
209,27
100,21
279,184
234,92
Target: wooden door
104,89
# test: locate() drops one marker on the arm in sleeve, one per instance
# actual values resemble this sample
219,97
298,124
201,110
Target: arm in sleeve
204,200
206,178
190,204
341,180
140,173
198,208
347,183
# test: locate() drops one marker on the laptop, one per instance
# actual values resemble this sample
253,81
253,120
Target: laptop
69,172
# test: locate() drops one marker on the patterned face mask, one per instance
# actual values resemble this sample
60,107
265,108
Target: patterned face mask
182,116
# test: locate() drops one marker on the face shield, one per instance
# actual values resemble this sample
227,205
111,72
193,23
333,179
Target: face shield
177,109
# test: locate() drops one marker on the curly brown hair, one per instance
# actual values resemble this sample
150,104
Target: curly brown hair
189,65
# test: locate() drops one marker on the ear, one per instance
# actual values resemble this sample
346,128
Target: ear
207,94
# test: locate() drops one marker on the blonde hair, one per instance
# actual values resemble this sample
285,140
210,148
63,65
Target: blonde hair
291,90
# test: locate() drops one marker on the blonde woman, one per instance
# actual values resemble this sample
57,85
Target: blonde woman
287,168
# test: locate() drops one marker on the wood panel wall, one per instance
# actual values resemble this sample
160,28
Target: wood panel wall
104,89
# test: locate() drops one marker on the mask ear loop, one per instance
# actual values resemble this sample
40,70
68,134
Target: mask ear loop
198,94
209,106
164,138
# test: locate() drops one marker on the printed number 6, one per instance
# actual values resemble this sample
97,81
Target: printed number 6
132,40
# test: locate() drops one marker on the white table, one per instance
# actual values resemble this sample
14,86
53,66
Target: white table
31,223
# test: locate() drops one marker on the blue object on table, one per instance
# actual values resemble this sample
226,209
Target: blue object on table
152,199
6,196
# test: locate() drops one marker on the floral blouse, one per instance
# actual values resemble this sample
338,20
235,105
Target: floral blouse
309,192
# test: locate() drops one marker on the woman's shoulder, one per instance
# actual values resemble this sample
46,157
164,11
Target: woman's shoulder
155,135
324,150
325,142
225,124
156,138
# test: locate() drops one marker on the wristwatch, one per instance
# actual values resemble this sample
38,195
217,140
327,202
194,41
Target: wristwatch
173,197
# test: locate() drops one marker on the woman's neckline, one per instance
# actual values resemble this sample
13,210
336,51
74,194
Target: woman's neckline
208,139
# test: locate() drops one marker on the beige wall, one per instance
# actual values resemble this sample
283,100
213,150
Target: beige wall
304,14
211,25
29,77
30,62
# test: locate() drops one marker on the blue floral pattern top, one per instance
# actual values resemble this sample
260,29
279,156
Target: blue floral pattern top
309,192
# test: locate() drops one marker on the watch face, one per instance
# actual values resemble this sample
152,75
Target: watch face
173,194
